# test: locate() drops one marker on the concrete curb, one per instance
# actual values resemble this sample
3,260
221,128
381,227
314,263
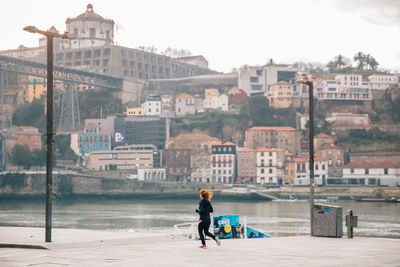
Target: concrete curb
5,245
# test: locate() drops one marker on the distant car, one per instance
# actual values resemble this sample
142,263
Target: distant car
132,177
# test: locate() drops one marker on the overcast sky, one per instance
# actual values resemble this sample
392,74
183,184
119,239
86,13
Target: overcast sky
229,33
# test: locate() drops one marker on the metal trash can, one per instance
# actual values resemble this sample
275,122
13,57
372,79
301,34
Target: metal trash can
327,221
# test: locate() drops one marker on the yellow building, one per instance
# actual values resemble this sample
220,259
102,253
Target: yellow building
290,171
280,95
37,87
211,93
134,112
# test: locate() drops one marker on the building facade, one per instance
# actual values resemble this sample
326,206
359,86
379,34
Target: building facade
270,165
280,95
29,136
93,139
257,79
373,173
122,159
223,162
152,105
344,87
201,167
141,130
383,81
246,166
178,155
284,138
302,167
335,158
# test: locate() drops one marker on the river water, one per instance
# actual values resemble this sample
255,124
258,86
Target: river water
281,218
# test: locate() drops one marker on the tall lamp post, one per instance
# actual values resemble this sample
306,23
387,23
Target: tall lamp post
49,128
308,80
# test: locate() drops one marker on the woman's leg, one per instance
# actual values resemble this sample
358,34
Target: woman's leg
206,226
201,228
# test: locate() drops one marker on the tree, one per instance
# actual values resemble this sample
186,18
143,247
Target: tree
21,156
360,58
270,62
340,61
29,114
39,157
62,147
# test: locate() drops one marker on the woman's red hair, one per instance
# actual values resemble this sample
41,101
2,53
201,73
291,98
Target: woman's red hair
205,194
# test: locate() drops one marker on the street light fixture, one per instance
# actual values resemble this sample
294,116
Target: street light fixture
308,80
49,131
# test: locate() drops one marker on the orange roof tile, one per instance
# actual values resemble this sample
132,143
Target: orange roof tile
229,144
322,135
184,96
373,164
271,128
245,149
330,146
374,153
261,149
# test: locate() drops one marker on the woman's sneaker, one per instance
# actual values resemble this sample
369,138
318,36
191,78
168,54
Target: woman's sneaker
203,246
217,240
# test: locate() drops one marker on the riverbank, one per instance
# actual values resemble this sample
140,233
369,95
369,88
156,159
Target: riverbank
102,248
77,185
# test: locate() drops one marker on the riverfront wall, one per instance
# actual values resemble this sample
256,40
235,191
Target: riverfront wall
20,185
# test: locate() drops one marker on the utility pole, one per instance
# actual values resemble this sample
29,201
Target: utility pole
49,130
2,136
308,80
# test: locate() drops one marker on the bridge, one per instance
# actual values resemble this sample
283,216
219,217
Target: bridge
67,75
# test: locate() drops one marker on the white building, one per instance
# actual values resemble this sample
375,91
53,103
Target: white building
152,105
383,81
374,172
348,118
257,79
220,102
344,87
201,167
151,174
187,104
223,159
198,61
270,165
90,30
302,170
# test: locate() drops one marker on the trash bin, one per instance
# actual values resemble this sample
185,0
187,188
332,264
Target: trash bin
327,221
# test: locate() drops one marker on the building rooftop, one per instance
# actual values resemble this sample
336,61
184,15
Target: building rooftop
322,135
373,164
330,146
271,128
89,13
184,96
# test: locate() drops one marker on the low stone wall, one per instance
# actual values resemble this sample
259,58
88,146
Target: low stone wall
18,185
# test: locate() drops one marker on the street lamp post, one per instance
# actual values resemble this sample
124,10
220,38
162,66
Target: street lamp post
49,126
308,80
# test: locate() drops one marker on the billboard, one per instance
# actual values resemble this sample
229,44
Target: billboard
119,137
227,226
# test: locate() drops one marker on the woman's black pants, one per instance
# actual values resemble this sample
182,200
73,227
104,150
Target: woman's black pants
203,227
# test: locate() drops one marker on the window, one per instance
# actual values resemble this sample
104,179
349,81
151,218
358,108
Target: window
270,170
262,170
92,32
386,171
366,171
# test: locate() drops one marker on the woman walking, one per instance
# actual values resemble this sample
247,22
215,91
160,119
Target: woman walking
204,210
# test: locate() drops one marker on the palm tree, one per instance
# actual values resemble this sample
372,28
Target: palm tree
340,61
360,58
373,63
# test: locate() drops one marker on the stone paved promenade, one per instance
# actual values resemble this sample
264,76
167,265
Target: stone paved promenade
100,248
